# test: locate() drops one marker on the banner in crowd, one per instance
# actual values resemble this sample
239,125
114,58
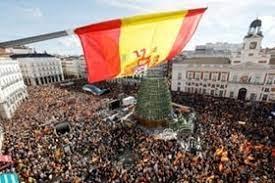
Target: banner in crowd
5,158
127,46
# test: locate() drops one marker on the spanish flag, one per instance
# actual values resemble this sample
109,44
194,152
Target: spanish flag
123,47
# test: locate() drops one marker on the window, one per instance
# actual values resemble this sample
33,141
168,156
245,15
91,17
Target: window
212,92
178,88
214,76
266,90
231,94
197,75
205,76
190,75
257,79
253,45
262,62
236,62
204,91
179,83
221,93
264,97
269,80
250,54
224,77
253,96
36,81
179,76
244,79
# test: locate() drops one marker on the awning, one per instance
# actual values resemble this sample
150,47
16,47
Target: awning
9,178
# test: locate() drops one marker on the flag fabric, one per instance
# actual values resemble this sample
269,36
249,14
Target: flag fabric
9,178
121,47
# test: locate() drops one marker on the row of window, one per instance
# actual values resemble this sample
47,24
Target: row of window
224,76
12,89
9,80
222,86
212,92
40,63
14,97
9,69
214,76
220,93
260,61
43,80
3,87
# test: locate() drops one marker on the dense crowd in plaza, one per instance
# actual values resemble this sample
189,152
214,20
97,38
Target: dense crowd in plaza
232,151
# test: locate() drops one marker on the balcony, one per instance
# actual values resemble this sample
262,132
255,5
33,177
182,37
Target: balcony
246,83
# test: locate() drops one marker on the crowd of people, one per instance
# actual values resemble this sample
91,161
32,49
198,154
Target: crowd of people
92,150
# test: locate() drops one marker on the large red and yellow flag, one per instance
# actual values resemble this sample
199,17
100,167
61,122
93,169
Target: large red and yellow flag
125,46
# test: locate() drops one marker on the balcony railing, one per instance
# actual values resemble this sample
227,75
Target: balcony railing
246,83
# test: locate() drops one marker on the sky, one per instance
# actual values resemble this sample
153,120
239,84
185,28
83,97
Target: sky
224,20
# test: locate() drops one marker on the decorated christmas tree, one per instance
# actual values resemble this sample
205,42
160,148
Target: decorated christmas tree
154,106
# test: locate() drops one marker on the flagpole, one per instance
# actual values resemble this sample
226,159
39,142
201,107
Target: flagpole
34,39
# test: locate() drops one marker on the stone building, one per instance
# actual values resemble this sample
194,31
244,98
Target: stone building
74,67
39,68
12,88
246,75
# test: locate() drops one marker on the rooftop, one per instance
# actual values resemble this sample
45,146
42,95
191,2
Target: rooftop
203,60
31,55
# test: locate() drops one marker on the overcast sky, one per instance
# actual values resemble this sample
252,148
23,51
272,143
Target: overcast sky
224,21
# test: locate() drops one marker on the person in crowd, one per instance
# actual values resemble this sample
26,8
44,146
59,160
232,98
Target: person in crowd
91,151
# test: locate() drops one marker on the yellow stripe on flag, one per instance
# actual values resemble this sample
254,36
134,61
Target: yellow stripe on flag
147,39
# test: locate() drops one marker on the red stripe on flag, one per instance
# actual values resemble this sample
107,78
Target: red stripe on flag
188,27
100,46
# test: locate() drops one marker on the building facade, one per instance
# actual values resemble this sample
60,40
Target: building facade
12,88
247,75
74,67
39,69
